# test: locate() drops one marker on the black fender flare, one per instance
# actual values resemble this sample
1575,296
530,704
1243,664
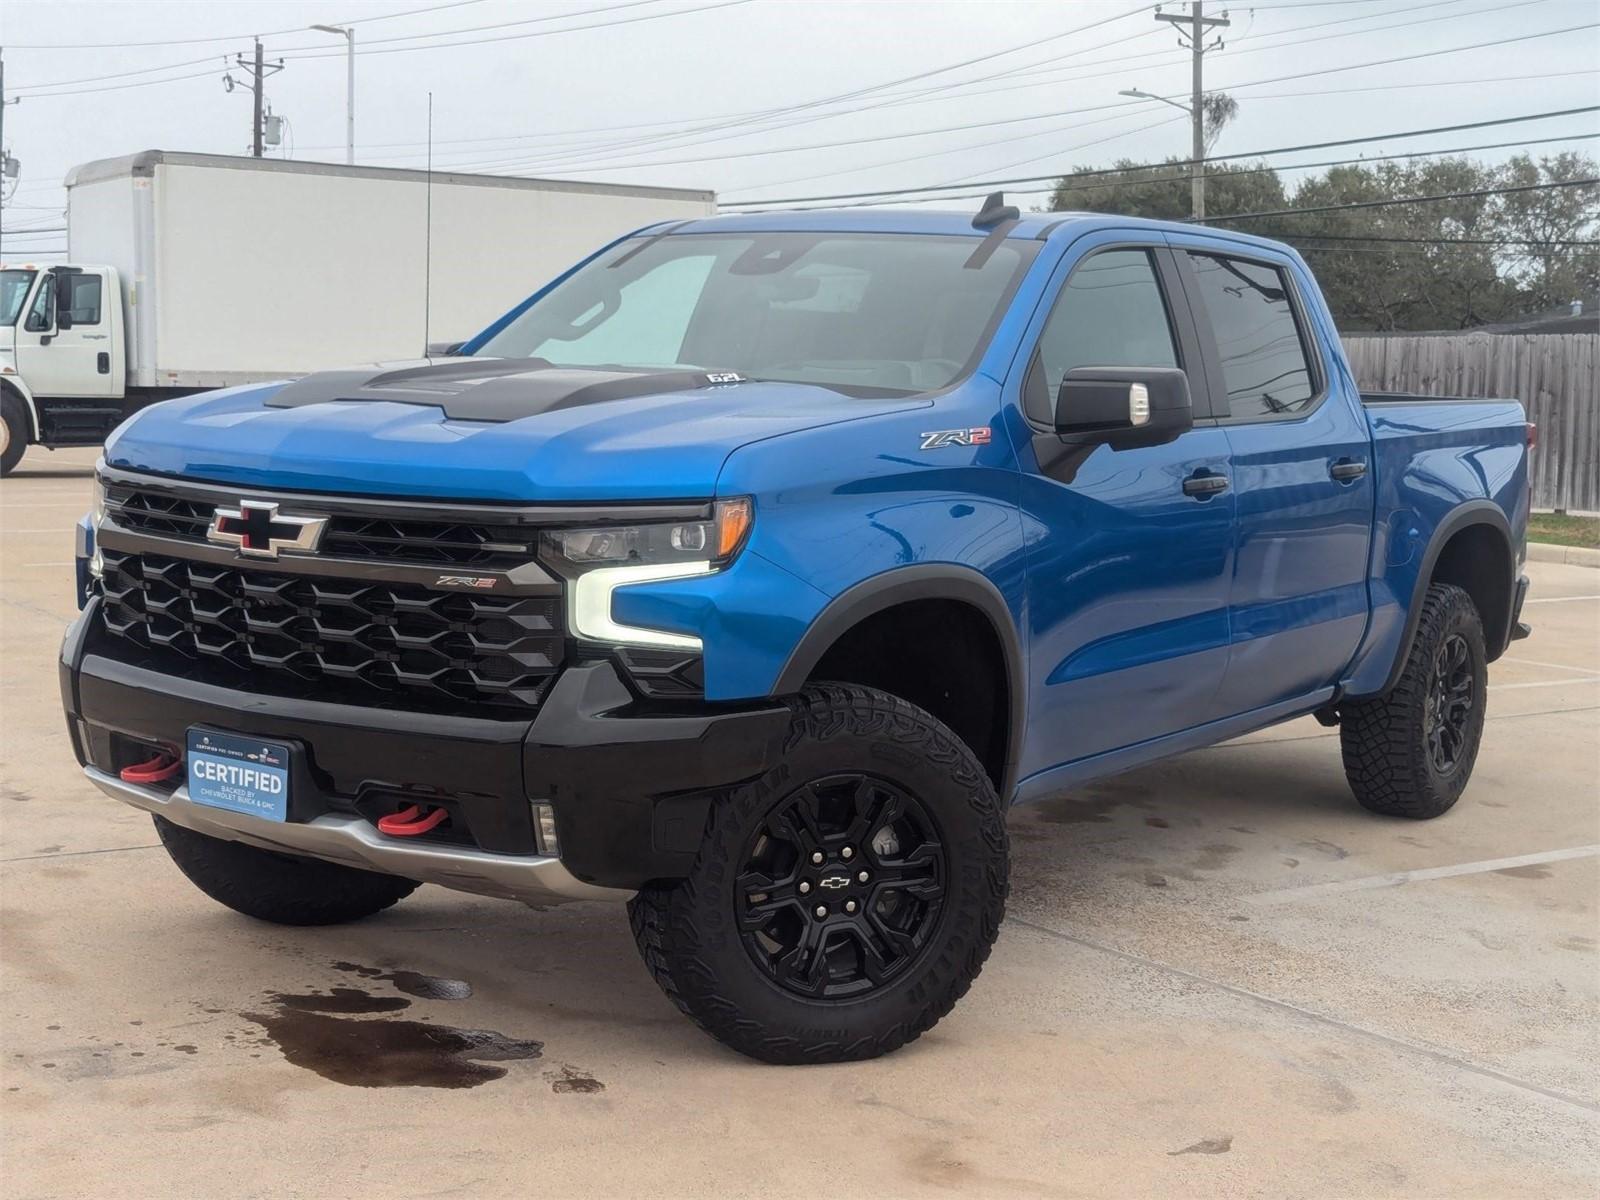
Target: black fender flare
921,581
1464,516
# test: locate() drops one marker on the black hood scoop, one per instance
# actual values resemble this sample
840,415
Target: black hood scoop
492,389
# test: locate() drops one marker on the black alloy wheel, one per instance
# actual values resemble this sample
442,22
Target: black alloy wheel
842,887
1451,698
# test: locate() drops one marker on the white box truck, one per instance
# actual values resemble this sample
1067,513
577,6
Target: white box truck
195,271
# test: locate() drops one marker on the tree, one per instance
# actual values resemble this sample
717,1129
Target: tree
1436,281
1547,273
1445,264
1163,192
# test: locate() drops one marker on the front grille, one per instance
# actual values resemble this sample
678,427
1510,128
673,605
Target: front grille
482,544
359,638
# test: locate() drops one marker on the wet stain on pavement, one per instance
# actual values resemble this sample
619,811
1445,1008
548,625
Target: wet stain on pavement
412,983
1157,823
1214,857
573,1080
391,1053
339,1000
1532,871
1151,879
1216,1145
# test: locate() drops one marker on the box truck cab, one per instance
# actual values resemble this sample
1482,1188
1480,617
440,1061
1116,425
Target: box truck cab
326,266
63,358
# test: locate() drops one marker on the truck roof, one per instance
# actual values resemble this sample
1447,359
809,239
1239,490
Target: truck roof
1037,226
144,163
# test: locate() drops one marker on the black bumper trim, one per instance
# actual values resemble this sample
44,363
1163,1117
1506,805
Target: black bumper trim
630,784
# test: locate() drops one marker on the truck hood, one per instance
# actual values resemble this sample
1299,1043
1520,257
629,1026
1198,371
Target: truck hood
480,429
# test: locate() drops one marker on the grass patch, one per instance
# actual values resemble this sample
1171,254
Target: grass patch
1564,530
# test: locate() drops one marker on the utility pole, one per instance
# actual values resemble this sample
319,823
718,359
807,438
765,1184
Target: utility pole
259,71
1198,24
9,168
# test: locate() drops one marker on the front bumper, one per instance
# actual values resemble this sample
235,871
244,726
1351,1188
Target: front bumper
629,780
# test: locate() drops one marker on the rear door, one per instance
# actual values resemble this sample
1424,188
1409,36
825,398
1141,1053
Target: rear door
1128,573
1302,481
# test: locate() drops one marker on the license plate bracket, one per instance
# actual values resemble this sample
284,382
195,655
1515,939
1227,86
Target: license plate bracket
237,773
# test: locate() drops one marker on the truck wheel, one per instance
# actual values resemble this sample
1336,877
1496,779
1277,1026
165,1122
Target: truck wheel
843,902
1410,753
13,432
282,888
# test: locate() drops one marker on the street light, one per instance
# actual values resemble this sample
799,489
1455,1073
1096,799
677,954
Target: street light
349,36
1135,92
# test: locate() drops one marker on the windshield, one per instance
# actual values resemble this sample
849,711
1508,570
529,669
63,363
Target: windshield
14,287
863,313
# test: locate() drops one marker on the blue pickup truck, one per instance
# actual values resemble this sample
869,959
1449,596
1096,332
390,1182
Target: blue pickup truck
749,571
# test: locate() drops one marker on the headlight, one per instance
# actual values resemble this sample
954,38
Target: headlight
715,541
600,560
97,514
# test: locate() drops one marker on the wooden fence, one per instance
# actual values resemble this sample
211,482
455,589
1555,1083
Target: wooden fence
1557,376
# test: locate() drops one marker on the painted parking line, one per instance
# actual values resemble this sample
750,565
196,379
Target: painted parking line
1515,687
1531,662
1557,599
68,563
58,530
1395,879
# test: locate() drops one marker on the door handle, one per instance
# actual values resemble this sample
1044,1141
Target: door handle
1346,470
1203,484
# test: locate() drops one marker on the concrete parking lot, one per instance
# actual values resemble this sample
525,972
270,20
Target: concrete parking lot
1219,977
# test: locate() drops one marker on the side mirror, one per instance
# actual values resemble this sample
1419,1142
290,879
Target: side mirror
1124,406
44,322
63,282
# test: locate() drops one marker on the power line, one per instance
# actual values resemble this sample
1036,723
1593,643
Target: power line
1339,162
306,54
587,163
593,158
1355,204
789,110
993,183
1050,65
232,37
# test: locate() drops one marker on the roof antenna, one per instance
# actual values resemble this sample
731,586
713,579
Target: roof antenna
427,243
994,210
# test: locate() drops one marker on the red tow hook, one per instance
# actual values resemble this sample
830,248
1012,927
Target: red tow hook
409,821
156,770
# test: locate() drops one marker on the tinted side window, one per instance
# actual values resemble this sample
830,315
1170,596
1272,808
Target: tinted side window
1109,314
1264,362
85,306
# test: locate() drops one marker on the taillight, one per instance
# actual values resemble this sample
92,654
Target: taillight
1533,435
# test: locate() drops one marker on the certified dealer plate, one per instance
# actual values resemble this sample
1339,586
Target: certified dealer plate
240,774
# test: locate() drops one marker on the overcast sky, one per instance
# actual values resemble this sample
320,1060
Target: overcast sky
648,97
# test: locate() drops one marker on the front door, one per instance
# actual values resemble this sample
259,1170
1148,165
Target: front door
72,357
1300,448
1128,569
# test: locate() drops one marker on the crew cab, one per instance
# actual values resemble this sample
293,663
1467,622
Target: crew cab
751,569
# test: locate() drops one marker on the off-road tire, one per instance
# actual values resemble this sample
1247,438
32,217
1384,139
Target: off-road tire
687,931
282,888
16,433
1384,741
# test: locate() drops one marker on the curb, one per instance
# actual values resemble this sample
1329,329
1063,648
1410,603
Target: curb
1573,556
